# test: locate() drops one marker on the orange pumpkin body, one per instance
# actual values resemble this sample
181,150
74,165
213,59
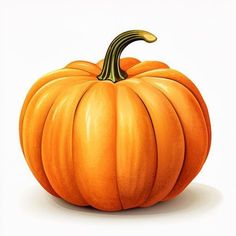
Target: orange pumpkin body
115,146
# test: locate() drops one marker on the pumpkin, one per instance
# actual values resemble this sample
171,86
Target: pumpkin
115,135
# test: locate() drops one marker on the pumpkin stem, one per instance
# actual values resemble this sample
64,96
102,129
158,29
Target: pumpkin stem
111,67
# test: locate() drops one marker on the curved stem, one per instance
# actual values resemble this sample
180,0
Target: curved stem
111,68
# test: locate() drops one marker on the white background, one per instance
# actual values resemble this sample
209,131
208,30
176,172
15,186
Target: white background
196,37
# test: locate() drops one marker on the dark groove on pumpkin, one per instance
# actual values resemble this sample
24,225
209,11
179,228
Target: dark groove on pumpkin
41,158
43,169
43,85
197,100
190,90
42,138
159,89
194,97
155,137
117,183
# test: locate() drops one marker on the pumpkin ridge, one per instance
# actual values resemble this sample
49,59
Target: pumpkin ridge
80,78
72,65
40,155
72,146
27,101
184,138
154,195
156,168
195,93
72,195
184,135
61,70
25,106
117,182
58,195
161,65
42,136
196,99
89,159
76,182
187,91
43,169
51,76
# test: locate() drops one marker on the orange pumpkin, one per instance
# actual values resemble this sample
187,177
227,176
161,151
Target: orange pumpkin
117,134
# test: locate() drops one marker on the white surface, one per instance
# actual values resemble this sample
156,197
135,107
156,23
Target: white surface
195,37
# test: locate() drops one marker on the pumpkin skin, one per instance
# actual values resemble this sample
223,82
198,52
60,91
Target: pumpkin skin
115,146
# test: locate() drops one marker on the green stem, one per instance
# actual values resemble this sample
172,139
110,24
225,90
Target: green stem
111,67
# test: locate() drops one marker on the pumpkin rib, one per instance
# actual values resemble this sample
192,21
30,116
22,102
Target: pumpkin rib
153,183
116,179
138,168
26,103
49,188
40,94
156,194
62,182
185,81
87,66
57,194
145,66
94,152
197,95
128,62
57,74
156,146
189,157
38,85
43,169
73,134
184,135
26,156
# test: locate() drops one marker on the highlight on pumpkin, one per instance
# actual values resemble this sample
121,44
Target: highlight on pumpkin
118,134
